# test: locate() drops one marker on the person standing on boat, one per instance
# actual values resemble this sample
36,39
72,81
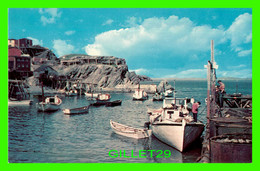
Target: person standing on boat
195,108
221,92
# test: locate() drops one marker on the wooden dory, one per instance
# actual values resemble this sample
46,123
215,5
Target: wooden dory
130,131
113,103
76,110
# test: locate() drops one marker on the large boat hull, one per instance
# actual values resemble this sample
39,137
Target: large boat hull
178,134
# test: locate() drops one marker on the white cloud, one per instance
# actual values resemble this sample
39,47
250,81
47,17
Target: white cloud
240,32
108,22
133,21
62,47
236,73
156,37
49,15
70,32
36,41
238,66
191,73
243,53
141,71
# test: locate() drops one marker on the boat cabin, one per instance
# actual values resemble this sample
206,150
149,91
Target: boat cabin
175,108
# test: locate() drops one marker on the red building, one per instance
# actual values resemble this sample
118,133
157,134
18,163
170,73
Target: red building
20,43
18,62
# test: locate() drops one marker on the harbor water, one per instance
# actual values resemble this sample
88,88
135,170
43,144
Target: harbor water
38,137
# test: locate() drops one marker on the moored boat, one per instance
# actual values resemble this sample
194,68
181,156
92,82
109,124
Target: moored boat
158,97
92,95
103,97
114,103
49,104
71,93
73,111
168,93
98,103
128,131
174,126
140,95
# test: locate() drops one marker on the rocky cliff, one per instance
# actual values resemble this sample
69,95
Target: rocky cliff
106,76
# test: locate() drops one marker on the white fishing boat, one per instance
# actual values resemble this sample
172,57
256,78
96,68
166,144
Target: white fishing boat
49,104
174,126
168,93
73,111
71,93
103,97
130,131
92,95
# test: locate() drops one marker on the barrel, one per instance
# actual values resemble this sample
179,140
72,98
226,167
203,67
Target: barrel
231,148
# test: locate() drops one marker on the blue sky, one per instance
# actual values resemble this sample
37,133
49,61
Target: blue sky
160,43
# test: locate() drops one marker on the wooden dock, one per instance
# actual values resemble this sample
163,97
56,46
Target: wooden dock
228,137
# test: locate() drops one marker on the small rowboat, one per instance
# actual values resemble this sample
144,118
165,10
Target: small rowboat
130,131
113,103
76,110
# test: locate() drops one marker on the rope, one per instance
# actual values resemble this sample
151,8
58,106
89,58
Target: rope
203,110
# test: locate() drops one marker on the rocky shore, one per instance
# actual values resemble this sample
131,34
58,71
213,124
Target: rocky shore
105,75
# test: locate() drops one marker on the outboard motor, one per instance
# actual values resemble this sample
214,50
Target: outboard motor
147,125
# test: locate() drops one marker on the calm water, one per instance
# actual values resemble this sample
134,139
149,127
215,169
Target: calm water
36,137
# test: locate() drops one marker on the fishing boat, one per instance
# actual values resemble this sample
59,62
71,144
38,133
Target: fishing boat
17,93
49,104
130,132
98,103
71,93
114,103
74,111
92,95
158,97
140,94
174,126
103,97
168,93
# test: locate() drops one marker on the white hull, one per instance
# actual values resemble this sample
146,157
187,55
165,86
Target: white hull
94,95
19,102
177,134
103,97
129,131
47,107
76,110
71,94
50,104
168,93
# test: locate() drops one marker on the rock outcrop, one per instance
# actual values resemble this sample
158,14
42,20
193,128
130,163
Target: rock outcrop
105,76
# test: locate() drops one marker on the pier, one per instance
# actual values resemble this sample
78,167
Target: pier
228,137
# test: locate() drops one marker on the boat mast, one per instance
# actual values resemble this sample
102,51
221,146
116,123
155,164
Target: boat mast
174,93
42,92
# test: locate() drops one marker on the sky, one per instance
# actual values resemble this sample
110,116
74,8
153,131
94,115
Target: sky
157,42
